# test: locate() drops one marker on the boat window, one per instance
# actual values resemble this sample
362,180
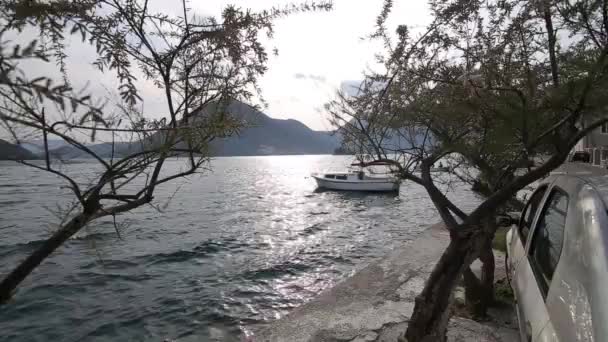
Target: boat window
548,238
342,177
529,213
330,176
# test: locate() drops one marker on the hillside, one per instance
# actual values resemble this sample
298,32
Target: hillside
37,146
10,151
262,136
268,136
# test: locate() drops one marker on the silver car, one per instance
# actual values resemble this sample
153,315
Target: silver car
558,260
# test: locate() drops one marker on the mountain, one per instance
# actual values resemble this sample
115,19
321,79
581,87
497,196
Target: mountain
268,136
10,151
37,146
393,139
103,150
263,135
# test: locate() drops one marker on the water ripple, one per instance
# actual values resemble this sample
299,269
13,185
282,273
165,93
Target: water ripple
239,246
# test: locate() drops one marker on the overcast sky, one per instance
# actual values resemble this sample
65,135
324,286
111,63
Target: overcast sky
318,52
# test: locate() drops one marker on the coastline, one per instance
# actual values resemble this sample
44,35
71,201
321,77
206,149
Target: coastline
376,302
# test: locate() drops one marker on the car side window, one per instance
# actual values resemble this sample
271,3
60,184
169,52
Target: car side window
529,213
548,238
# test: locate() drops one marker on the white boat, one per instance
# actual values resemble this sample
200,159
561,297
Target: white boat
355,181
350,181
441,168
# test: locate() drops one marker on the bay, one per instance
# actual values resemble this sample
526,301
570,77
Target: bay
241,244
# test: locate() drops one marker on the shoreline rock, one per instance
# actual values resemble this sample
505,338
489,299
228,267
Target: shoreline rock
376,302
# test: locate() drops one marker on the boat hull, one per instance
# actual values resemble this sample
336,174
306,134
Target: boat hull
368,185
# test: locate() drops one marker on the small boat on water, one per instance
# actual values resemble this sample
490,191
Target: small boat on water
434,169
356,180
440,169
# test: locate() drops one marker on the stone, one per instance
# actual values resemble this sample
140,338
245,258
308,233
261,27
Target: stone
366,337
376,302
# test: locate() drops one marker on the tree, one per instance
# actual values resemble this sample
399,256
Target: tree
489,86
199,64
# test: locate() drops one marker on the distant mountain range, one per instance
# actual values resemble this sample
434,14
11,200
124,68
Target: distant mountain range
10,151
268,136
263,136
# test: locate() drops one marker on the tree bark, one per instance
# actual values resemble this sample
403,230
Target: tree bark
552,41
430,317
487,275
479,293
13,279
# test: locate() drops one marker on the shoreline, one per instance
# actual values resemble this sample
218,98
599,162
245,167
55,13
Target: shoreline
376,302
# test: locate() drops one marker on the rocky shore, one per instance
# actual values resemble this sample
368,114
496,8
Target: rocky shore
376,303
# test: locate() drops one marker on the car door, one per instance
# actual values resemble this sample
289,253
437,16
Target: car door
535,272
532,314
545,248
521,232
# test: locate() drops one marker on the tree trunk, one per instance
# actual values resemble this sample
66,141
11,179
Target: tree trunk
479,293
13,279
552,41
473,293
430,317
488,266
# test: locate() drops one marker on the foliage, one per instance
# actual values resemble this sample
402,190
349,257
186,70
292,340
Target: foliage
489,86
200,64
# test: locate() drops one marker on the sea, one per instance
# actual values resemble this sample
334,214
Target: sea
232,248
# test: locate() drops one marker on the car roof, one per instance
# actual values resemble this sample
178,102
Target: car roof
599,183
583,276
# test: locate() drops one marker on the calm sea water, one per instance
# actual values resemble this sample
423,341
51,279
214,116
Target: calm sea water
240,245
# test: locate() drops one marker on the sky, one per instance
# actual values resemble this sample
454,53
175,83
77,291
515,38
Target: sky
318,52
